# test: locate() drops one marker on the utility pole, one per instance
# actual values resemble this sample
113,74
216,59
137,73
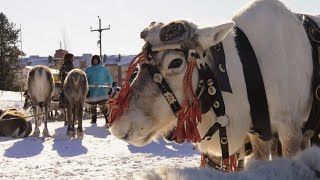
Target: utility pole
100,31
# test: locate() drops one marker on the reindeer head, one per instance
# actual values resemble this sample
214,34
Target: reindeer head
149,114
27,100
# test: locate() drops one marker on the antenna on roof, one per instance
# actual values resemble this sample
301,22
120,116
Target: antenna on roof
60,45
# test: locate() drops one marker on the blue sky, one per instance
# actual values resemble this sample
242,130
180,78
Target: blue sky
47,23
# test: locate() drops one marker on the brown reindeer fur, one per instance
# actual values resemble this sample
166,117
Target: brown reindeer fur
75,89
14,123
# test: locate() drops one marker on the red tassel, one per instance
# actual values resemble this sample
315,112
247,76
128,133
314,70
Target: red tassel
190,114
231,163
120,104
203,162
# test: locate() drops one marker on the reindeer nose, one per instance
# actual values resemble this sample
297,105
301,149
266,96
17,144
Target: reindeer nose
126,136
143,34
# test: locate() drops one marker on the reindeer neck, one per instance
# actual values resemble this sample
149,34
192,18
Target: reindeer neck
236,102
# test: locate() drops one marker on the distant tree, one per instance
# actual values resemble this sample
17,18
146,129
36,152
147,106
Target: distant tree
9,54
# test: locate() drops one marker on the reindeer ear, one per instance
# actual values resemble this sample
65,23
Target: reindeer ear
211,36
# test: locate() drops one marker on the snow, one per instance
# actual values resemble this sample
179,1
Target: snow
99,155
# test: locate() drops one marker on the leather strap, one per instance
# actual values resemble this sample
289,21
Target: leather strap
255,87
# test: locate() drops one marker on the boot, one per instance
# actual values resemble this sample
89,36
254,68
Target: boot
107,122
94,119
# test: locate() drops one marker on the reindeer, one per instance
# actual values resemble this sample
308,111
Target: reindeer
40,87
163,96
75,89
14,123
53,107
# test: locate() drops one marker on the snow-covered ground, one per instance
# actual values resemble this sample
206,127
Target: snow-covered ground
99,155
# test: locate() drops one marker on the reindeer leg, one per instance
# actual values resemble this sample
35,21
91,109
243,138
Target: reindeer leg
36,132
45,130
64,114
261,149
74,115
69,131
56,113
80,113
291,139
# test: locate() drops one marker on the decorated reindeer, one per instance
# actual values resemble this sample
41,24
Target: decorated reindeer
256,76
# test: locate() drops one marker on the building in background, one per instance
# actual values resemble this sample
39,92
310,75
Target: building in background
116,64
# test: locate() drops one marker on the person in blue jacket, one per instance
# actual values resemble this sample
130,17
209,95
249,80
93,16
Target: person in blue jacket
97,74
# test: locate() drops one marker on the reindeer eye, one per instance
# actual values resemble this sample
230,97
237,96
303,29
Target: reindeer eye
175,63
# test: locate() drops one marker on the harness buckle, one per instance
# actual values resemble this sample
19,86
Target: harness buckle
223,120
201,62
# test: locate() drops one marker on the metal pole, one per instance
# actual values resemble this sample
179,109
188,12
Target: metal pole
100,31
100,35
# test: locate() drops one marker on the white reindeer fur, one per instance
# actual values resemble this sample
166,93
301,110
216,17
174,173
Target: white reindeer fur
300,168
284,56
40,88
286,65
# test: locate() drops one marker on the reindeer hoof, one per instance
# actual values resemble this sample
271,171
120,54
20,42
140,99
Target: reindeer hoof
36,133
46,134
80,135
71,133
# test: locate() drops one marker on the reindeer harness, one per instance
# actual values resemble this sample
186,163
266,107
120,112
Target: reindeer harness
210,86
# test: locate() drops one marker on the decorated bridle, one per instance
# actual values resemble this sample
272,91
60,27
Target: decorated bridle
189,114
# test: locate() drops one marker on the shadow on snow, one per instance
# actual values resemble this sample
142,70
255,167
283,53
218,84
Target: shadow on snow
97,131
65,146
27,147
166,149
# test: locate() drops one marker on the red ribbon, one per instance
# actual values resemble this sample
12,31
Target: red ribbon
190,114
120,104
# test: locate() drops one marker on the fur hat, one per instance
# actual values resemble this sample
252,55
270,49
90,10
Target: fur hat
179,31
